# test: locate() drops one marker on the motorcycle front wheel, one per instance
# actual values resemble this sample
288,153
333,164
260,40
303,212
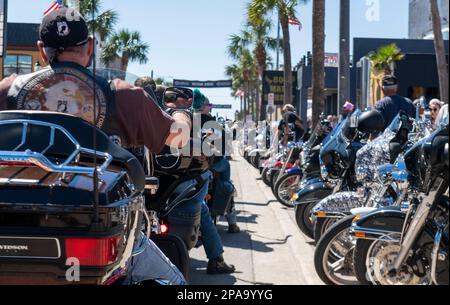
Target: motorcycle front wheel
333,258
321,226
374,259
265,176
304,219
286,187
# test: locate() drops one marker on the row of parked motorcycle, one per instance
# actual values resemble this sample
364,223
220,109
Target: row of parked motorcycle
374,199
65,196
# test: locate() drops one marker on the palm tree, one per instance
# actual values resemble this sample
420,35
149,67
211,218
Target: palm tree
128,45
385,58
258,37
286,9
163,82
440,51
234,72
101,22
318,63
245,70
383,62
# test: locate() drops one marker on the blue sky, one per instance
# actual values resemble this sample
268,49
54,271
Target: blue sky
188,39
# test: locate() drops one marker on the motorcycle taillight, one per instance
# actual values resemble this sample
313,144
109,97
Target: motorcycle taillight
164,229
93,252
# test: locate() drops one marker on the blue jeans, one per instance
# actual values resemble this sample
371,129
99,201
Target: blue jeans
223,168
150,263
210,237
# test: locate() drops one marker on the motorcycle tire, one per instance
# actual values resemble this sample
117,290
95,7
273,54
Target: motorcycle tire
322,246
265,177
296,178
302,217
321,226
255,161
273,180
175,249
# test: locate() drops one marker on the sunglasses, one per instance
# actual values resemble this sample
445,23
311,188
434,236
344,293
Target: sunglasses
434,109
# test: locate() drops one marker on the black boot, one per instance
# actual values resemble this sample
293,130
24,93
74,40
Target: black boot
218,266
233,229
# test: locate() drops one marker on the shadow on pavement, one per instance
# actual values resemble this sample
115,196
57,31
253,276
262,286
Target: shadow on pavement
256,203
244,241
199,276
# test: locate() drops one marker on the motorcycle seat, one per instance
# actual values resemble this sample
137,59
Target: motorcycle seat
38,139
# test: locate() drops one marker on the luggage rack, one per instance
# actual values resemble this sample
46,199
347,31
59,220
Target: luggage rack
39,159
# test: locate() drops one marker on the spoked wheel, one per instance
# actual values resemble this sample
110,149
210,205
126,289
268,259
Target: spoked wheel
286,187
333,258
374,260
321,226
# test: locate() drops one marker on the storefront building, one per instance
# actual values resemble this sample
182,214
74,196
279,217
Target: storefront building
22,55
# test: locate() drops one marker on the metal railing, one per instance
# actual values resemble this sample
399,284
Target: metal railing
39,159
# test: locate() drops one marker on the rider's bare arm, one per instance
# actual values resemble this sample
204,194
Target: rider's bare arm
180,131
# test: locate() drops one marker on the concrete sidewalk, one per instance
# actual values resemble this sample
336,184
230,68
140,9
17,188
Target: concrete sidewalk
269,250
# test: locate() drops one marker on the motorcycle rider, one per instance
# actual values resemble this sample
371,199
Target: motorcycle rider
292,122
212,242
392,103
221,164
127,114
149,85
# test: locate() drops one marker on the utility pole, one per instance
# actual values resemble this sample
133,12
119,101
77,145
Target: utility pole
344,54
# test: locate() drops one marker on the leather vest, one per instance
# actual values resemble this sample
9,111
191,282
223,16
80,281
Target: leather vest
68,88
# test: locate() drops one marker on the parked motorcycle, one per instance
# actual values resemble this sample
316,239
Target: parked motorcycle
62,197
296,178
334,215
338,158
410,245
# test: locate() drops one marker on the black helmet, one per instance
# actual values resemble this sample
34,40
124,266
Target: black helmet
371,122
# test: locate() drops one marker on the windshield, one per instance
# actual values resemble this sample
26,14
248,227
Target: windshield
111,74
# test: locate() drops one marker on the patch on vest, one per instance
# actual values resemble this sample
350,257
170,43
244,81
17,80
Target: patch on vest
65,90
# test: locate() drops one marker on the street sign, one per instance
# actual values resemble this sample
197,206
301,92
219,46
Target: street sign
273,82
271,99
202,84
216,106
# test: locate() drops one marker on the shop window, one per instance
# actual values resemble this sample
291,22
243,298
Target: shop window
17,64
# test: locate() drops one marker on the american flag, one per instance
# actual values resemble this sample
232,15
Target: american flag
58,4
240,93
295,21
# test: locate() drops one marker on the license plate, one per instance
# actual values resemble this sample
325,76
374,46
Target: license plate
29,247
